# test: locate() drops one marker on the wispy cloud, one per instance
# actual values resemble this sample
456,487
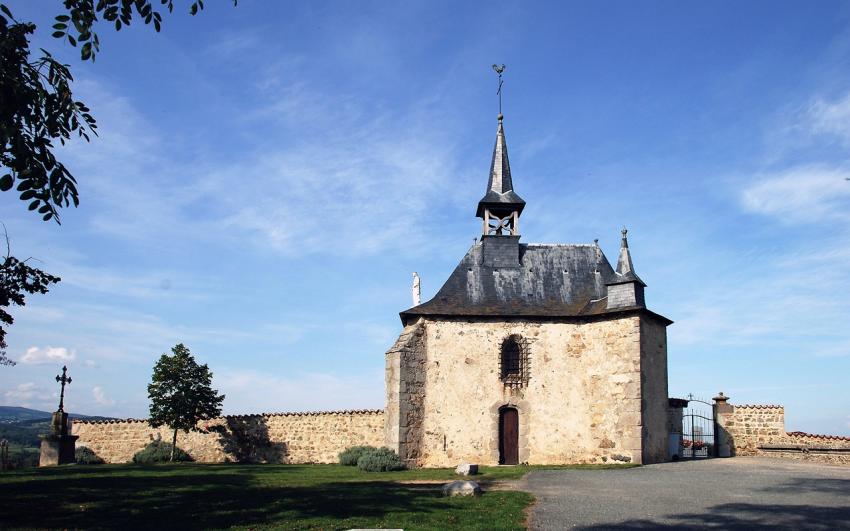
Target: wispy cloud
330,177
26,393
253,391
801,195
100,397
231,43
143,284
38,356
835,350
830,118
795,291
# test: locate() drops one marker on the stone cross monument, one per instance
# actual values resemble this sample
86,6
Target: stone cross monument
57,447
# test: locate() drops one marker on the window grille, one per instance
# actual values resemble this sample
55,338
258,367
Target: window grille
514,361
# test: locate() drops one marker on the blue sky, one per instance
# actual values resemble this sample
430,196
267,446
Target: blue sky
268,176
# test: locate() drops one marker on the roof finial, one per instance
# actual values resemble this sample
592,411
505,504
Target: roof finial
499,69
624,243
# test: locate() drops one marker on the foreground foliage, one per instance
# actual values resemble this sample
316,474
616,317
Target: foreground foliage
17,279
159,452
350,456
85,456
37,109
282,496
380,460
38,106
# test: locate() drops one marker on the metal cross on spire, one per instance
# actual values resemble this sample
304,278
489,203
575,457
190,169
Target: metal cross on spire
64,379
499,69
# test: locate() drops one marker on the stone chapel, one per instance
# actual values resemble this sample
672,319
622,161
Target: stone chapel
529,353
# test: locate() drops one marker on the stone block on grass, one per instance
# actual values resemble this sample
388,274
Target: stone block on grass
462,488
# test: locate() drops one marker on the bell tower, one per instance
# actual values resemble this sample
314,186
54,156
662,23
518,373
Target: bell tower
500,207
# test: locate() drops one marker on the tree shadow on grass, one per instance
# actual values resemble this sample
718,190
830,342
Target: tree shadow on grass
180,500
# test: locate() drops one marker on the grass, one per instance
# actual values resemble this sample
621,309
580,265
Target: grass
253,496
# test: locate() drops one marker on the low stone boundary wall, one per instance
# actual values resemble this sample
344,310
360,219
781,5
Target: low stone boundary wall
264,438
807,446
760,430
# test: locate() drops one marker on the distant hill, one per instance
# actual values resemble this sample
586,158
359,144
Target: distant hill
21,426
14,414
17,414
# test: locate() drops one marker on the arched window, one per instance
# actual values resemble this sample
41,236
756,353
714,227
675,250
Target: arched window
514,361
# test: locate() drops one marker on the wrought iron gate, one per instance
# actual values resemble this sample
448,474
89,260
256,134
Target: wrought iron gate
698,429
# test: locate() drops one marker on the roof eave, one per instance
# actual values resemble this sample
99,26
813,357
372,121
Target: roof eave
538,317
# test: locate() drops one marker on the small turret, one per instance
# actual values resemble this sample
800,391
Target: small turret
625,289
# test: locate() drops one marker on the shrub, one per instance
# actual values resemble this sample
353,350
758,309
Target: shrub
25,458
350,456
380,460
159,452
86,456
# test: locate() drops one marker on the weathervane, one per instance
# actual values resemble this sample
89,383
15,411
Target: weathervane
64,379
499,70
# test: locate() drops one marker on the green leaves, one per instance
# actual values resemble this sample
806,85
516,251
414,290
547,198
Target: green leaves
17,279
181,392
83,15
38,109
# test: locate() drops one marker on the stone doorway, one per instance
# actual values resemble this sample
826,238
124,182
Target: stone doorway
508,436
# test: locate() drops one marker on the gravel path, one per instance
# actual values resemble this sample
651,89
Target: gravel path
737,493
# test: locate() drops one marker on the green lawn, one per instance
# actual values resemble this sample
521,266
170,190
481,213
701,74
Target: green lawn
251,496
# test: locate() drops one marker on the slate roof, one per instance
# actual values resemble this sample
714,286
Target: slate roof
500,196
551,281
625,268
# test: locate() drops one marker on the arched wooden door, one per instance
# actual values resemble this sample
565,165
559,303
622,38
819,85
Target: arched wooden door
508,436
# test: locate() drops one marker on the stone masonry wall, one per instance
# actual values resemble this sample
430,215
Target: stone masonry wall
583,401
268,438
654,401
405,382
748,426
811,447
760,430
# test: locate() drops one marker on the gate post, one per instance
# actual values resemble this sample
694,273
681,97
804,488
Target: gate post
722,440
674,427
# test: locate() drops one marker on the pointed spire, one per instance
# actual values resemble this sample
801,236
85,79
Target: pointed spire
500,197
500,168
625,267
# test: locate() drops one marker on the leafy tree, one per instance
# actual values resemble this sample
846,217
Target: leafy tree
17,278
38,109
181,393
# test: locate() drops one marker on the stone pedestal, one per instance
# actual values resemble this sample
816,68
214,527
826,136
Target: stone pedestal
57,450
57,447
